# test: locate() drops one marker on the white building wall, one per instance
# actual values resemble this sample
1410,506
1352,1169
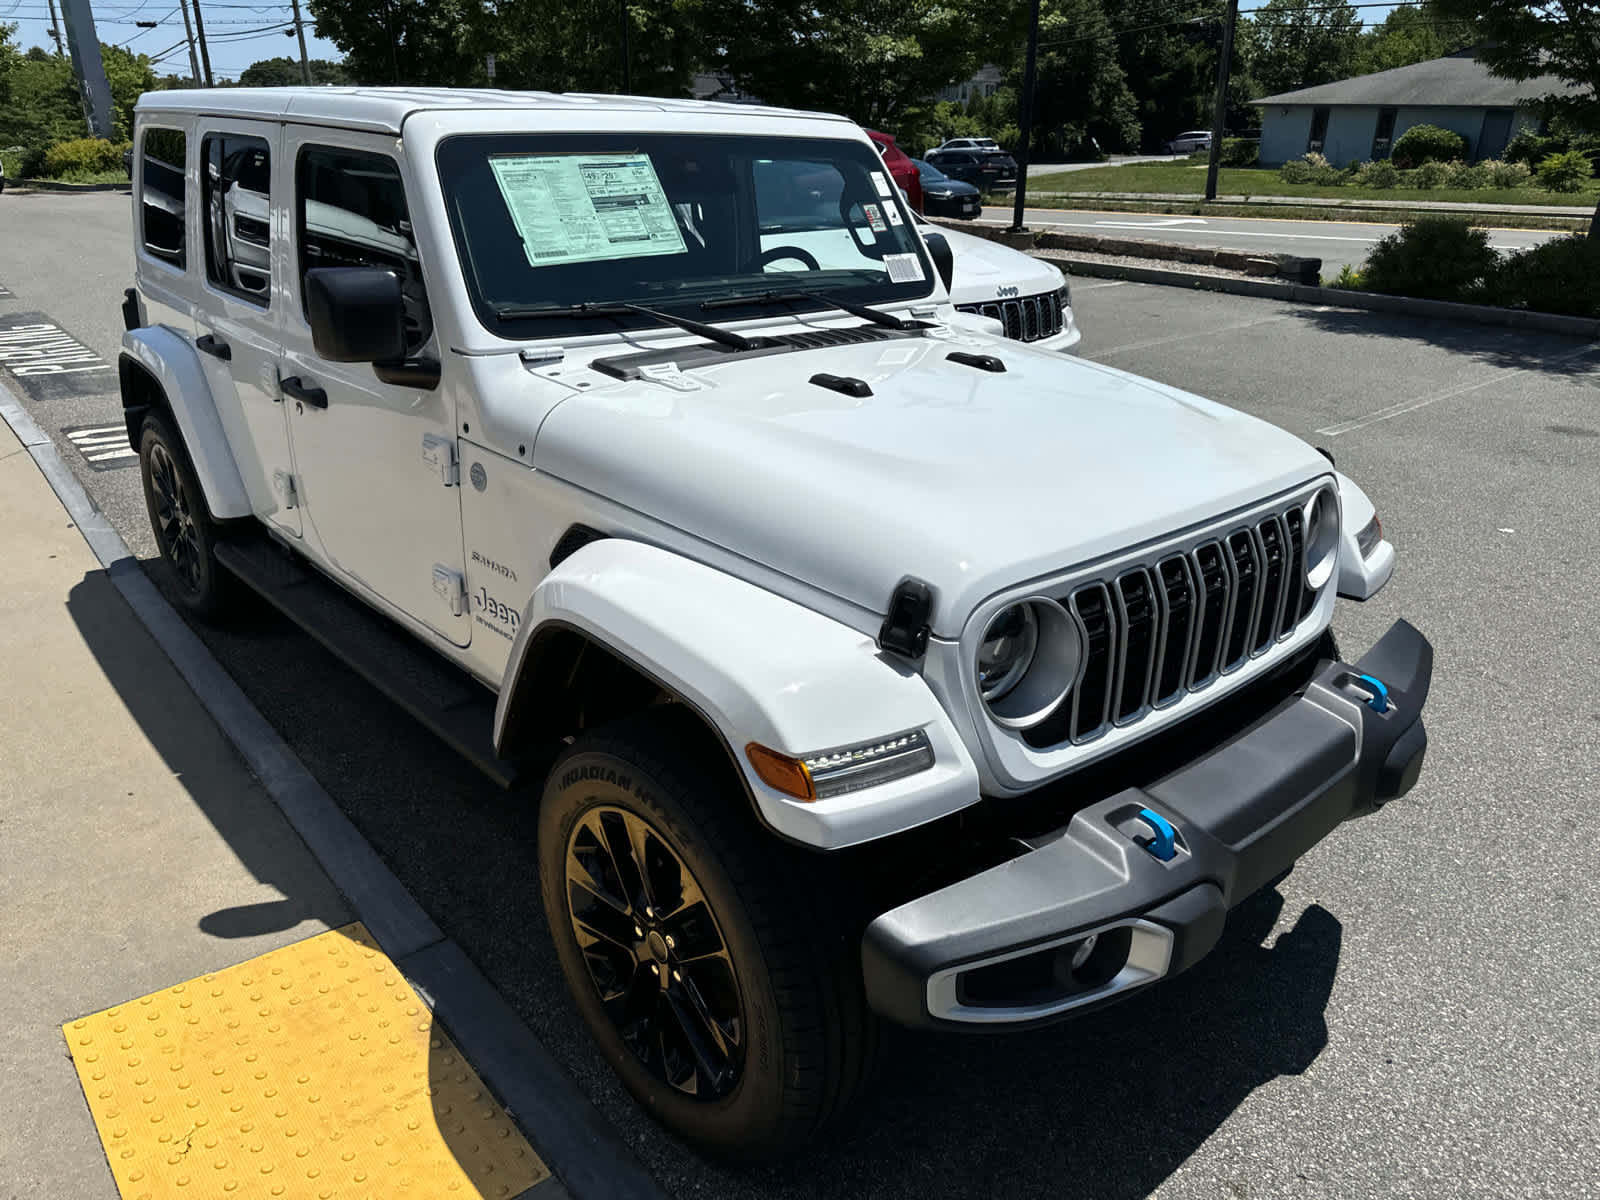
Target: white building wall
1284,130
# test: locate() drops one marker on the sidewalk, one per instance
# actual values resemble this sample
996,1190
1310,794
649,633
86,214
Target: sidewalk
137,852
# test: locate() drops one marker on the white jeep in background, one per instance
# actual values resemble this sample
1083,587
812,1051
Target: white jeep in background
864,665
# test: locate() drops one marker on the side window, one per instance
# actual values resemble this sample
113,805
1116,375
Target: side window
351,212
161,213
236,172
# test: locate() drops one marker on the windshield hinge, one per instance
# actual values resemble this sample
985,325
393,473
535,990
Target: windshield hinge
539,356
439,452
283,484
451,587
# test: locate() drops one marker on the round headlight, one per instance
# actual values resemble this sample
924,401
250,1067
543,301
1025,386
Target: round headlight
1007,649
1029,659
1322,538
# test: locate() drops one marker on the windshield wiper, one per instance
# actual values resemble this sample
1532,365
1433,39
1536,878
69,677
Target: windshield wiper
875,315
621,308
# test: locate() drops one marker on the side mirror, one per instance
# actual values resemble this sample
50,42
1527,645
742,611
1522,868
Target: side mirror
357,314
944,259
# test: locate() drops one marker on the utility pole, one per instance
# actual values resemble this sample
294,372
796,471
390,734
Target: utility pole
87,69
1219,111
188,33
300,32
205,55
627,67
1025,119
55,28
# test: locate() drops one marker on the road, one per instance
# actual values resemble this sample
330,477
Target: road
1412,1013
1334,242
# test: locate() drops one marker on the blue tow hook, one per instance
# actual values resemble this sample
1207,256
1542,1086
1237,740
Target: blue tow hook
1379,700
1164,845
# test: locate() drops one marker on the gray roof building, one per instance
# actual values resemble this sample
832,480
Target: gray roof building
1359,118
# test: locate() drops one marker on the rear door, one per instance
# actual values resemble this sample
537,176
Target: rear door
237,323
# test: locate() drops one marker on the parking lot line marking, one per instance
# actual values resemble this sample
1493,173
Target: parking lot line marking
1095,287
311,1071
1405,406
103,446
1184,337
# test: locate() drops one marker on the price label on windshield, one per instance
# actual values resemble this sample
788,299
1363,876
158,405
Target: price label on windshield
573,208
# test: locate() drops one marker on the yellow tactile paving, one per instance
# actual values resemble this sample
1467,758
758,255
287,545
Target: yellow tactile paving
311,1073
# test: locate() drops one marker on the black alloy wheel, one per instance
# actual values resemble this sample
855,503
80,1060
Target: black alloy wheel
185,531
655,953
174,519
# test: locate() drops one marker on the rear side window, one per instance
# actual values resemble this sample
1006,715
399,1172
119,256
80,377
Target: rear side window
236,172
162,217
351,212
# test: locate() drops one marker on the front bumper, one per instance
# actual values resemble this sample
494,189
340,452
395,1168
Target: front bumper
1136,887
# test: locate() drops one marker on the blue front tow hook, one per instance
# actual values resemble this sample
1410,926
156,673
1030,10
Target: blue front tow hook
1164,845
1379,700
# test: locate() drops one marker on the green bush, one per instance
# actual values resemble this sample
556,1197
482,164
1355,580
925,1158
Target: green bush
81,156
1558,276
1379,174
1565,172
1313,168
1240,152
1435,174
1427,143
1477,175
1433,258
1508,174
1349,278
1530,148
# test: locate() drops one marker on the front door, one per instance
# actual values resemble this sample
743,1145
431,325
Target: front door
374,461
1496,133
237,324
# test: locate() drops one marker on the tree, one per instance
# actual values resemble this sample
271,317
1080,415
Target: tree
1170,65
1293,44
875,60
285,72
130,76
1081,98
9,58
1407,36
1533,39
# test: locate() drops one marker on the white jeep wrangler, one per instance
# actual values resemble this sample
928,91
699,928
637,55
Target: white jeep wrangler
864,664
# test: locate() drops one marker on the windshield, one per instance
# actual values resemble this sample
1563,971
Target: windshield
670,221
929,172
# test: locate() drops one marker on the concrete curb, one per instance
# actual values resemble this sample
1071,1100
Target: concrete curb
1478,314
583,1149
1462,208
21,186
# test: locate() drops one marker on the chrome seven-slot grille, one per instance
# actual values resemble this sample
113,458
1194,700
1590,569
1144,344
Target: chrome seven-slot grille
1026,318
1154,634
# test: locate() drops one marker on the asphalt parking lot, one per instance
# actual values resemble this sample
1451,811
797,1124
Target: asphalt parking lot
1413,1012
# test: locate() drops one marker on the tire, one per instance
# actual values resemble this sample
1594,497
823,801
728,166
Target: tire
185,531
793,1043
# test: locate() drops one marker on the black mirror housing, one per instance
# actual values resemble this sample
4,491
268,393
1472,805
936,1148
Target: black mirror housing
357,314
944,259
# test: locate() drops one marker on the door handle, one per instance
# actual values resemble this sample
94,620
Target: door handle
207,344
314,396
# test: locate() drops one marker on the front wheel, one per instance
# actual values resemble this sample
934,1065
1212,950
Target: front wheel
705,961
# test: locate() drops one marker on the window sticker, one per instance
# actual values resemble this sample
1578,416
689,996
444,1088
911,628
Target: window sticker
881,182
892,211
903,268
875,218
574,208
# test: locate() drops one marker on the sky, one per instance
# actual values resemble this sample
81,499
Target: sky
238,32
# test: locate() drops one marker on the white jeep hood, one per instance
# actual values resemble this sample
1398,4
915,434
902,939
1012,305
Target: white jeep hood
983,267
969,480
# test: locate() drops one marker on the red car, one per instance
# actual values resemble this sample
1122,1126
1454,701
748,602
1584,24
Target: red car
901,169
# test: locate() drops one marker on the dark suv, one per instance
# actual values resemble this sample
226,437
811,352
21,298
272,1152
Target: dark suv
984,169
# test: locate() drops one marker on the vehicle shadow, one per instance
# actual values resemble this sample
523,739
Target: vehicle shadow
174,723
1556,354
1106,1106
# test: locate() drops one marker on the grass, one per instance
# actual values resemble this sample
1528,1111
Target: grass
1189,178
1577,223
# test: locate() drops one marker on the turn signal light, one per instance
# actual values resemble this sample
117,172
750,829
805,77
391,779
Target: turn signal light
779,771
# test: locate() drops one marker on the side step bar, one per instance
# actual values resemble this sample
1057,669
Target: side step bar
457,708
